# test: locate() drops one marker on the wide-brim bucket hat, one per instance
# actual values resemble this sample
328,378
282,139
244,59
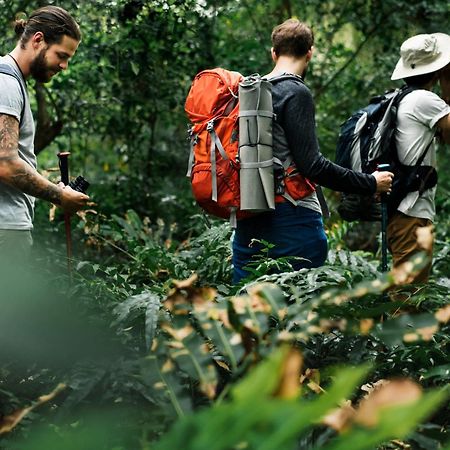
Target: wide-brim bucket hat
421,54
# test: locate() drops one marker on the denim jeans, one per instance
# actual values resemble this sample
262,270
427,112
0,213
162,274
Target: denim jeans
294,230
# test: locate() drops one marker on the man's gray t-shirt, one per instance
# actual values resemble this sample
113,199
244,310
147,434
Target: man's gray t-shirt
16,208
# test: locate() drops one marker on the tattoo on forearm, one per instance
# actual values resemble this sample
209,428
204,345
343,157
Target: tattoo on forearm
25,179
20,174
9,137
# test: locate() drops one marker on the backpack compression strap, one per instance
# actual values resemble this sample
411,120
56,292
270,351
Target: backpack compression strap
7,70
215,143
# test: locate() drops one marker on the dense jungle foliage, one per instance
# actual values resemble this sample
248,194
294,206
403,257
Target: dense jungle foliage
148,345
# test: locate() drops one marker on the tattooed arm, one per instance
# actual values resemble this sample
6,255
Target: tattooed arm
17,173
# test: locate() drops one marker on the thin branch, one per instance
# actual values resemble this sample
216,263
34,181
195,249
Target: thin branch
347,63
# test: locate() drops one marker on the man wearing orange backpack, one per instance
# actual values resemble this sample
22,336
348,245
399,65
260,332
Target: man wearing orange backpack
295,227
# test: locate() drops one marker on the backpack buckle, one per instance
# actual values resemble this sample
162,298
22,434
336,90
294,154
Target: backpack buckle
210,125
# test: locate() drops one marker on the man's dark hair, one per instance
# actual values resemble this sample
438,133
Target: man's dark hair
420,80
292,38
54,22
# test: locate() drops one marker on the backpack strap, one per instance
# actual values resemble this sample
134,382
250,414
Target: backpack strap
7,70
285,165
215,144
404,91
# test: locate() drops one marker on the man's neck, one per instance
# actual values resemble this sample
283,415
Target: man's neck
20,59
288,64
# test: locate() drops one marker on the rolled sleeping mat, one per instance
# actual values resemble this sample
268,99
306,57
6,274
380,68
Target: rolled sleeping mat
256,145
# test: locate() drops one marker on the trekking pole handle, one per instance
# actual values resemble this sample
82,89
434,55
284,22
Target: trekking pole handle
383,167
64,166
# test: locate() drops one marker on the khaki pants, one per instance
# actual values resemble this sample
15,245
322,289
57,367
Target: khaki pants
403,244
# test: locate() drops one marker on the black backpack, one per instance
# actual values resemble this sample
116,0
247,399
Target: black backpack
366,140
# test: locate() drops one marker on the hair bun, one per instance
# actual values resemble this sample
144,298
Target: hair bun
20,23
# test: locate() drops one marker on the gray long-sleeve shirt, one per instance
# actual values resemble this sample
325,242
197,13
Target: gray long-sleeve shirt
295,133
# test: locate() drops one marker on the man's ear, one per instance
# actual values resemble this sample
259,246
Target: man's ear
38,39
309,54
274,55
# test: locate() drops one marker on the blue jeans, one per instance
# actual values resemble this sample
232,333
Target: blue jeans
294,230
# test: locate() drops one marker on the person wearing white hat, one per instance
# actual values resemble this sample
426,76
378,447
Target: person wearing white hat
422,115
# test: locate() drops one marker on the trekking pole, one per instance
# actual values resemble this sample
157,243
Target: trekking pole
384,220
64,170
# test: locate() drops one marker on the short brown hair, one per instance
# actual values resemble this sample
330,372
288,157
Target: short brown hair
52,21
292,38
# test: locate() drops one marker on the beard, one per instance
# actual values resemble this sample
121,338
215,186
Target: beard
39,68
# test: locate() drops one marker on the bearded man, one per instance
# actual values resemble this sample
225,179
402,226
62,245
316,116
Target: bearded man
46,43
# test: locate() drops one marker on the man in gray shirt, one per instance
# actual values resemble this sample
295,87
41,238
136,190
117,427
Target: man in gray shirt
47,41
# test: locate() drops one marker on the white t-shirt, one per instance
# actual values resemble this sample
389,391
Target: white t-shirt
16,207
417,116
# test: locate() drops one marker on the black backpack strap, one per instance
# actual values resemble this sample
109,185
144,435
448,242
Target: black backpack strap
404,91
7,70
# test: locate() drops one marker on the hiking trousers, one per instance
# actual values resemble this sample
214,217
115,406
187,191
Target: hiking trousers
403,244
295,231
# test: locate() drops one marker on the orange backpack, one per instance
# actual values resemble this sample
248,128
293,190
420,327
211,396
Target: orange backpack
212,107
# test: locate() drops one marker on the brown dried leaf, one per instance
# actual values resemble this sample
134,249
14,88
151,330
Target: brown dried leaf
370,387
223,365
9,422
178,334
239,304
257,300
168,366
391,393
365,325
427,333
220,315
312,377
403,273
326,325
209,389
401,444
340,418
410,337
443,315
183,284
315,387
289,386
201,297
52,213
185,292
